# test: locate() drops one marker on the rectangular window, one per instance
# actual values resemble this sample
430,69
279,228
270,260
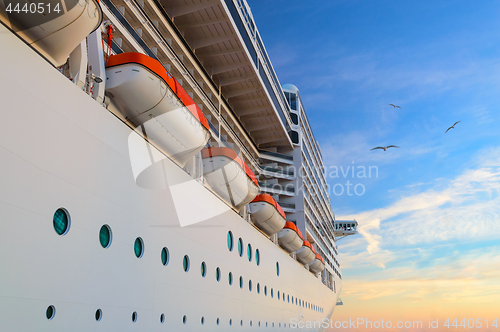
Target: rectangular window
293,101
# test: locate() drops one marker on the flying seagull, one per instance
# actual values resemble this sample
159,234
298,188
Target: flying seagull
384,147
451,127
395,106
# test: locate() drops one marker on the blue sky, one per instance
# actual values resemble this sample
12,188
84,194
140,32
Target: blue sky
435,205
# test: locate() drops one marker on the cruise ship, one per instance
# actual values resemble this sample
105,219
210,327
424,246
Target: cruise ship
155,174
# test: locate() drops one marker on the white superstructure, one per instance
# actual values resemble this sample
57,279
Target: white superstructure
113,216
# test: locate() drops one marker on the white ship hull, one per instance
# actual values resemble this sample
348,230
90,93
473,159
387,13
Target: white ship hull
59,148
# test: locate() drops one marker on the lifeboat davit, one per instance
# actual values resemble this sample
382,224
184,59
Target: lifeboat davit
229,176
317,265
290,237
154,103
306,254
57,31
267,214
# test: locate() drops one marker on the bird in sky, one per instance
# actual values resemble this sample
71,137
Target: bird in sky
395,106
384,147
451,127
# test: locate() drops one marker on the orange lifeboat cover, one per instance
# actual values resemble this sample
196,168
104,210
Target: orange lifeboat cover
228,152
269,199
318,256
291,225
156,67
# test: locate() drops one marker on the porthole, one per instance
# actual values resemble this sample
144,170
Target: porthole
284,299
184,319
259,323
272,292
250,285
230,278
249,252
278,295
98,315
230,241
257,256
288,298
139,247
273,324
134,316
203,269
258,288
165,257
240,247
162,318
185,263
266,324
250,323
241,282
50,312
241,322
105,236
202,320
61,221
277,269
217,274
230,322
265,290
218,321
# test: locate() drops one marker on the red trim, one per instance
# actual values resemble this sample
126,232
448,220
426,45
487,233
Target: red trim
228,152
156,67
269,199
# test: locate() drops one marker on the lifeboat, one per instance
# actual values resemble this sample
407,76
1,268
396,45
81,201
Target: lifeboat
267,214
317,265
229,176
306,254
56,33
290,237
154,103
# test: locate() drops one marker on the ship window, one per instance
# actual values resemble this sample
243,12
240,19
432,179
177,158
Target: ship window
134,316
278,295
139,247
105,236
258,288
266,324
61,221
241,282
165,257
293,101
265,290
184,319
250,323
218,321
240,247
294,136
203,269
185,263
283,297
250,285
230,278
257,256
249,252
230,241
217,274
295,118
277,269
98,315
202,320
51,312
230,322
288,298
241,322
162,318
272,292
259,323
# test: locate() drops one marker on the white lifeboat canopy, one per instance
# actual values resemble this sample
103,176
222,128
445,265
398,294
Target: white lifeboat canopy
57,32
290,237
229,176
156,105
306,254
317,265
267,214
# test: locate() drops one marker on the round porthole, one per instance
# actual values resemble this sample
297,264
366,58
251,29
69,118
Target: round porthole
277,269
265,290
230,241
105,236
241,322
258,288
217,274
278,295
202,320
134,316
61,221
257,257
162,318
230,278
185,263
218,321
203,269
250,285
138,247
165,257
240,247
241,282
50,312
272,293
98,315
184,319
249,252
230,322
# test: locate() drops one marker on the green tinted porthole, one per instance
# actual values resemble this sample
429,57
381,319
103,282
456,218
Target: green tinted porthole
50,312
241,282
61,221
272,293
105,236
230,278
230,241
278,295
138,247
277,269
257,256
217,274
185,263
265,290
203,269
258,288
249,252
165,257
250,285
240,247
